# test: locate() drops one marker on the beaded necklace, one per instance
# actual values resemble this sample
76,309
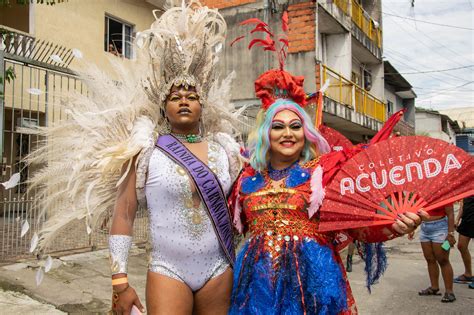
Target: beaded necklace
277,175
188,138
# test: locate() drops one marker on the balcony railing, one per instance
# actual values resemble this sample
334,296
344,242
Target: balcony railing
343,5
23,45
348,93
366,24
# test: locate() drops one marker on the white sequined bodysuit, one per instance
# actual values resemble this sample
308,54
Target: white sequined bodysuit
184,244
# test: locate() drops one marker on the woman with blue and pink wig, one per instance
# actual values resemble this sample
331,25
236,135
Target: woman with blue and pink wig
259,139
286,266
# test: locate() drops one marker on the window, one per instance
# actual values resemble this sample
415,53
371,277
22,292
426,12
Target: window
367,80
389,107
118,37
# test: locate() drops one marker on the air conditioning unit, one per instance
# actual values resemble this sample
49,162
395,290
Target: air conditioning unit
27,125
25,122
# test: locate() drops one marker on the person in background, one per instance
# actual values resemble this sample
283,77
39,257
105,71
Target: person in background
464,224
437,237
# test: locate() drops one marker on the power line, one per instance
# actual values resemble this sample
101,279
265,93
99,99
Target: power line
433,40
423,99
441,44
431,49
433,71
401,58
421,21
437,89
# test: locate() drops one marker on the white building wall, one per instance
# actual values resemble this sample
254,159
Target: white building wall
428,124
390,95
377,80
338,53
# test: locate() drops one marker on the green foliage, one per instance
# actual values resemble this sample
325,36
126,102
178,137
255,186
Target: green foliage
7,3
9,76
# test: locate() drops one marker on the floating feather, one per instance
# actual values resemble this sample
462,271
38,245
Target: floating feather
56,58
48,264
12,182
34,242
39,276
77,53
25,227
34,91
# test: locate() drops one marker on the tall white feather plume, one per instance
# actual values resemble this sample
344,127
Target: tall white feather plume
81,159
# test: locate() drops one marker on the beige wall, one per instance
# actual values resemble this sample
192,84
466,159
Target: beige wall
80,23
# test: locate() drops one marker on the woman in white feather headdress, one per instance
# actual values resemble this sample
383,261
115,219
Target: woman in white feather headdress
159,136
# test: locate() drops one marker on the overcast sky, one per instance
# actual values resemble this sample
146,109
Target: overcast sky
414,46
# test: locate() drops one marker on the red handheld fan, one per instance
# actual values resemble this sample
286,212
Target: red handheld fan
336,140
394,176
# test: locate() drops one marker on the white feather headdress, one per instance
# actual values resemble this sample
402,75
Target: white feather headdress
184,45
106,128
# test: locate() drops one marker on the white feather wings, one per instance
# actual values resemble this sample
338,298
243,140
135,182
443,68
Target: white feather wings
82,156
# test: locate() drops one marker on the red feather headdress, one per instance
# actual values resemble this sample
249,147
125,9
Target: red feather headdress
275,83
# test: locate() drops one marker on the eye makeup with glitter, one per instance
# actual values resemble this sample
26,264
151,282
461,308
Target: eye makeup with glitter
294,124
277,125
175,97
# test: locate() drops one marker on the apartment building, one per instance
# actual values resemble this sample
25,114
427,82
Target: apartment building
340,41
399,95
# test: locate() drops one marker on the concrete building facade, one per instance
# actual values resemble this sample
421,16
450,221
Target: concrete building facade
399,95
339,41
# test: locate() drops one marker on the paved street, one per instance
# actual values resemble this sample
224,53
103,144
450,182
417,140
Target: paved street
80,284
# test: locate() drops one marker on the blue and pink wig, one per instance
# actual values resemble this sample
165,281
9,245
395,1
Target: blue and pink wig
259,139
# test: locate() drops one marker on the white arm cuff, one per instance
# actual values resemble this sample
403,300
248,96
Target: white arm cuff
119,246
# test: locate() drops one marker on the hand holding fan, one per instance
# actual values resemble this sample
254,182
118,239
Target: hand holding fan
395,176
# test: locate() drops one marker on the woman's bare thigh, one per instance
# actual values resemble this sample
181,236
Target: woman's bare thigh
165,295
214,296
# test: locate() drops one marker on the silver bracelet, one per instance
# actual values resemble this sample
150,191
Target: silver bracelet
119,247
